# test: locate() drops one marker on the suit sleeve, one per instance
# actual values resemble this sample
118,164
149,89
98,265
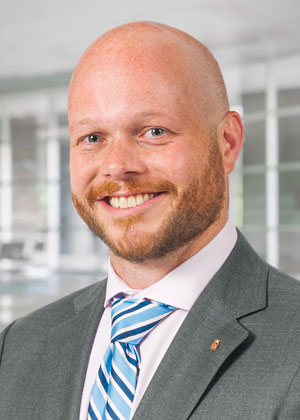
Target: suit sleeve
290,409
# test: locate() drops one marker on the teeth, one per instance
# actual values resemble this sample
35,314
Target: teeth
131,201
139,199
115,202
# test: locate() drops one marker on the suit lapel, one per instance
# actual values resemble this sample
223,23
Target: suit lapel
190,366
67,355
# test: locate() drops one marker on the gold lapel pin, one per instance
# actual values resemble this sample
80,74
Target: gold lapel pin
215,345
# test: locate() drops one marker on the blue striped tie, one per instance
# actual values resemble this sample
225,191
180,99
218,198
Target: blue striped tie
114,388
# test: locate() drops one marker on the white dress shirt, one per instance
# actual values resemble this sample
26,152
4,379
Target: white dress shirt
180,288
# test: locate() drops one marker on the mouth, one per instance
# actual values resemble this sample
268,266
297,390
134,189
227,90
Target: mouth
129,201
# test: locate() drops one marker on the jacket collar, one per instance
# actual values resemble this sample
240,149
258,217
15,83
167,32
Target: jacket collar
241,283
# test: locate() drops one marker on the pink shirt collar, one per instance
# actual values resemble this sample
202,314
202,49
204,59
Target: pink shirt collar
182,286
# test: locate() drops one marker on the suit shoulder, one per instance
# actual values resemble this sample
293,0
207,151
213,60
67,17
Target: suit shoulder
281,283
58,311
284,298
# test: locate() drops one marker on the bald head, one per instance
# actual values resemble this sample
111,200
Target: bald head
138,49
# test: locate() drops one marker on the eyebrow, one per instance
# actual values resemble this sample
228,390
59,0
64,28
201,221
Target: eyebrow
86,121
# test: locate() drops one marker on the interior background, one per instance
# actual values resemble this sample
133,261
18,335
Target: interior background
46,251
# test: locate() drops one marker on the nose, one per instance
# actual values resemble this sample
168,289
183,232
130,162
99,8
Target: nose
123,160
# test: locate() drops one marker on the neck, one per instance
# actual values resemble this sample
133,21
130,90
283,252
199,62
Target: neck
140,276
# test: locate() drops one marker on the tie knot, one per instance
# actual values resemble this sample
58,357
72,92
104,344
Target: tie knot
132,319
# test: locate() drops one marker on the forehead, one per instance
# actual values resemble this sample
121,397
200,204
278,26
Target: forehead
145,78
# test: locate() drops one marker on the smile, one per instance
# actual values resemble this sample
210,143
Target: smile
130,201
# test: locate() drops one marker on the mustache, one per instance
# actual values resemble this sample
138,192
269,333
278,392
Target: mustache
134,186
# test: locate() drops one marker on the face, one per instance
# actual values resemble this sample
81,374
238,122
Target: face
146,171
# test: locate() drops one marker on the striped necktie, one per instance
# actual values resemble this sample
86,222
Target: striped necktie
114,388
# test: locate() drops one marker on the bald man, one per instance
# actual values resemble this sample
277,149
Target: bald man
191,323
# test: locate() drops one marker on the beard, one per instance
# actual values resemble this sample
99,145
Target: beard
193,212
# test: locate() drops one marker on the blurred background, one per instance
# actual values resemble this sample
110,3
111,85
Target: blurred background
46,251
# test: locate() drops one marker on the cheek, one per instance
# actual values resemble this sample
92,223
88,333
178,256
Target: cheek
81,171
182,164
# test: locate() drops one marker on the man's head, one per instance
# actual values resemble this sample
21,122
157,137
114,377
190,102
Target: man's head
152,140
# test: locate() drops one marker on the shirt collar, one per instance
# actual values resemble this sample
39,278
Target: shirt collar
182,286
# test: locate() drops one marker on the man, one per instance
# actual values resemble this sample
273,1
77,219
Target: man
152,144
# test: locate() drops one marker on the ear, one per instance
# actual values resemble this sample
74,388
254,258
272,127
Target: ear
231,139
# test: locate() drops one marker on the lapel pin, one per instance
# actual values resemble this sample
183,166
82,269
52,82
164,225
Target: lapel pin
215,345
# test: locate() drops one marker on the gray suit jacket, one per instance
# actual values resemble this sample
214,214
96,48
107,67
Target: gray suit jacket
253,309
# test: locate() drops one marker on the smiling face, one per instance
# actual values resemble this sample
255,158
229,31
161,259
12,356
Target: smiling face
147,174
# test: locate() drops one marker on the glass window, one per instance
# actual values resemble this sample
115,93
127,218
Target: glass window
1,186
257,239
289,139
289,197
62,119
254,102
288,97
254,143
30,206
254,200
29,153
69,221
289,245
29,176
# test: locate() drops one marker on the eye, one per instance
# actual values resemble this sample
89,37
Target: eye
92,138
155,132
